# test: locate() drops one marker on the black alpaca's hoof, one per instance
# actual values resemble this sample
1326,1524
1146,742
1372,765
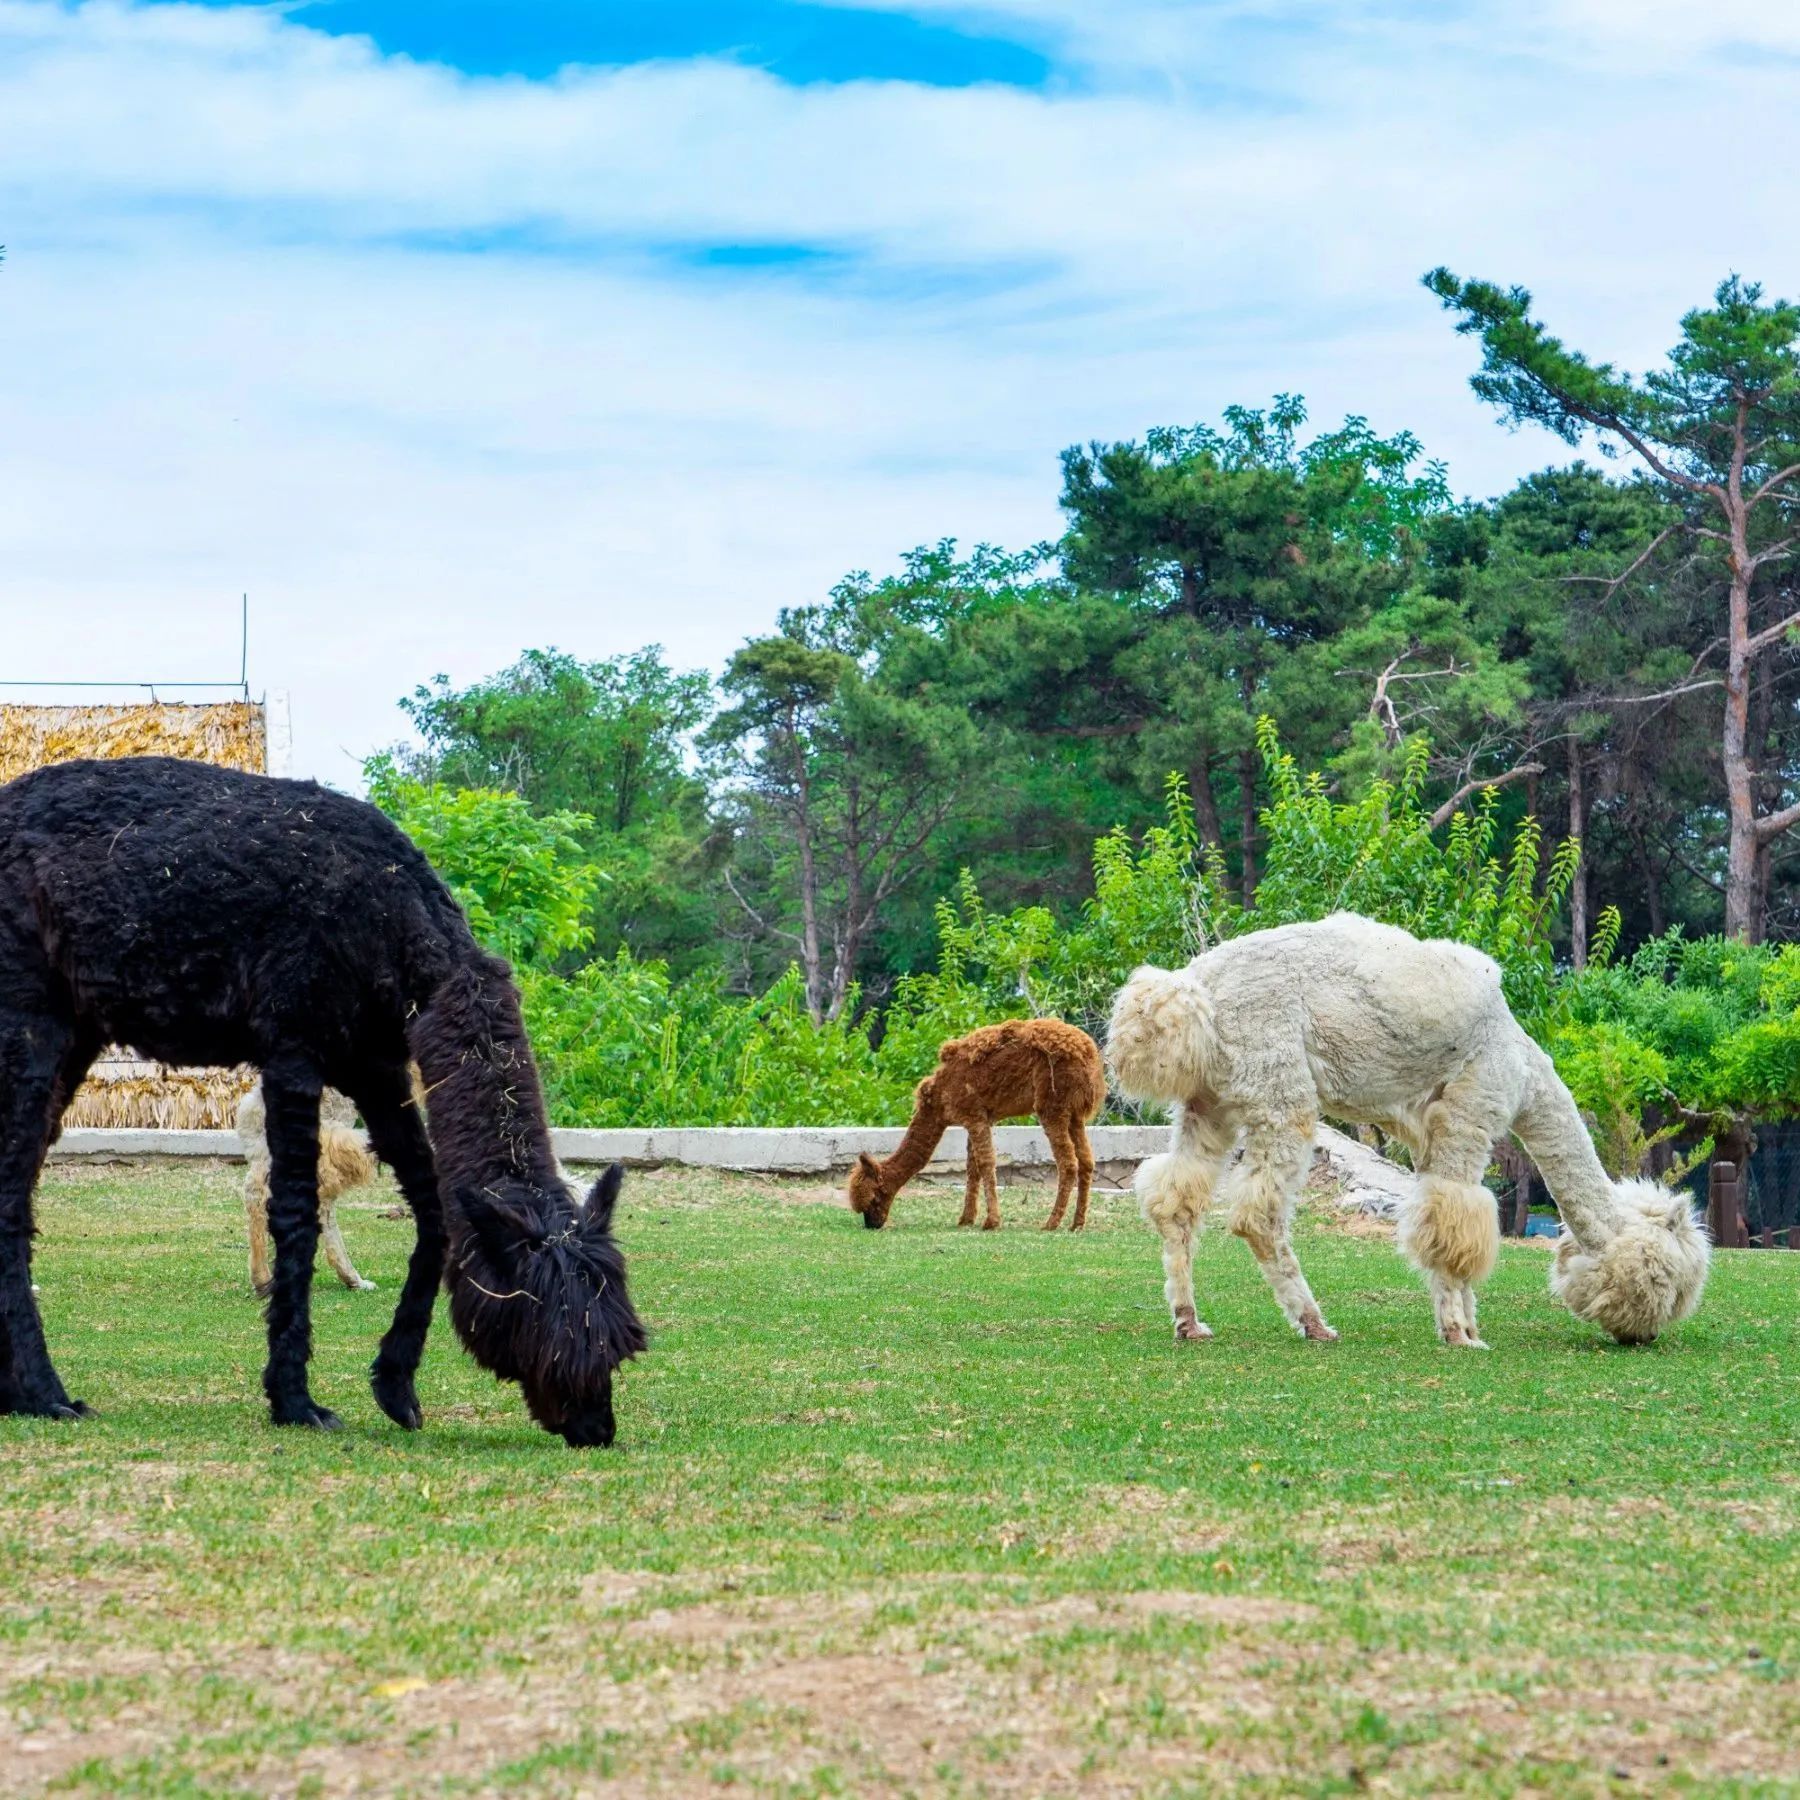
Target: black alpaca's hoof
67,1410
395,1396
311,1415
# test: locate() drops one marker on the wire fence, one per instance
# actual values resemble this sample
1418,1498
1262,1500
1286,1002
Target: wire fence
1764,1198
1768,1192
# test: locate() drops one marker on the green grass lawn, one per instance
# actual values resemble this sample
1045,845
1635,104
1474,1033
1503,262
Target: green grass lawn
924,1512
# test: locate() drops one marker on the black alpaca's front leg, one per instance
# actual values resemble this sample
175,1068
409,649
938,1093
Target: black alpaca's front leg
35,1052
291,1099
398,1134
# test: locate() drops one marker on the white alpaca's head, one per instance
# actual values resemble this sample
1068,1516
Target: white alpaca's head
1160,1041
1646,1277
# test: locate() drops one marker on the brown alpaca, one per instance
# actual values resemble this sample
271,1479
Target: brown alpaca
1039,1066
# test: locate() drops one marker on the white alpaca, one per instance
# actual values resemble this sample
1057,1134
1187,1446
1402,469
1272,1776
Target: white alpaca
345,1162
1366,1023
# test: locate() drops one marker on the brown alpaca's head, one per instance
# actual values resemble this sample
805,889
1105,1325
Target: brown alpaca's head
867,1195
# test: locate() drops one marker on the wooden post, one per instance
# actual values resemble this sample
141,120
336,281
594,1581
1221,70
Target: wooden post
1723,1213
1521,1196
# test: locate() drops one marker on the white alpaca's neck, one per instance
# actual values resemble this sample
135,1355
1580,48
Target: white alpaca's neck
1551,1129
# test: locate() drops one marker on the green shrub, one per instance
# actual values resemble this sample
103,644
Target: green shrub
522,877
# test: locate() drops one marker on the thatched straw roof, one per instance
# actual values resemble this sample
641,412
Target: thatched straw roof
123,1090
122,1093
233,734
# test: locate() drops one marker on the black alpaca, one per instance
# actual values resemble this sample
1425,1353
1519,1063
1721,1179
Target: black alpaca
205,916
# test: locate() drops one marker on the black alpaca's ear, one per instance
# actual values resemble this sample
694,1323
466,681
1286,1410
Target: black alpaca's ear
501,1230
597,1215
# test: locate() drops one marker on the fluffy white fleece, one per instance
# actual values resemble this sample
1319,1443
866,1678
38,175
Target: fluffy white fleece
1364,1022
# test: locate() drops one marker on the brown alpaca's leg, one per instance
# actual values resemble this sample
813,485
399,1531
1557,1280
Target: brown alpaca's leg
1084,1171
981,1169
1062,1147
971,1181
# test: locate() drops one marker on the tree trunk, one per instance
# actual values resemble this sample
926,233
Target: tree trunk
1247,768
812,960
1206,802
1652,882
1743,919
1578,888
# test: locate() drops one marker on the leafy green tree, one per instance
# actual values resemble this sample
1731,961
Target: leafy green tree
604,738
1719,426
523,877
1596,641
1004,637
607,740
839,779
1166,898
1238,558
1698,1037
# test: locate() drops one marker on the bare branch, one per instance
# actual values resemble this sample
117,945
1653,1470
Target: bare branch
1773,482
1447,811
1718,887
1775,552
1610,582
1772,825
1687,687
1611,422
1771,634
760,922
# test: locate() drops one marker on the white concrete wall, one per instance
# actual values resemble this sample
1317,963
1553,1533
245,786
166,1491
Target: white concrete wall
797,1151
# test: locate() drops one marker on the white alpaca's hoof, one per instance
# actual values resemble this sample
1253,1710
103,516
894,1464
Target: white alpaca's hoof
1646,1277
1189,1330
362,1286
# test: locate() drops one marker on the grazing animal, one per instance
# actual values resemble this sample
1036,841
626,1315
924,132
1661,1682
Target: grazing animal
203,915
345,1162
1039,1066
1366,1023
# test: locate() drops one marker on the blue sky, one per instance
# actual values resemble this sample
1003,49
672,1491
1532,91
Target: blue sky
797,42
447,329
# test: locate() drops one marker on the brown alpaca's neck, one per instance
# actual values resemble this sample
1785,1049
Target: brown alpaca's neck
914,1150
481,1083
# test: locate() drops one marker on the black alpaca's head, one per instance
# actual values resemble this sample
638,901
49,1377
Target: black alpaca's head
537,1294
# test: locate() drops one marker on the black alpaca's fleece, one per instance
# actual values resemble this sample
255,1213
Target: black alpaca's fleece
205,916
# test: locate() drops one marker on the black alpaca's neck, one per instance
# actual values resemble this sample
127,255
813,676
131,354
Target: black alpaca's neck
481,1082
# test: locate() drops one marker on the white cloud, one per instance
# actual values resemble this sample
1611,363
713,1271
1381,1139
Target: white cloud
245,351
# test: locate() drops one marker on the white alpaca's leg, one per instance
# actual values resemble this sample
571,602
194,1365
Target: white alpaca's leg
256,1213
1450,1231
337,1254
1263,1189
1175,1190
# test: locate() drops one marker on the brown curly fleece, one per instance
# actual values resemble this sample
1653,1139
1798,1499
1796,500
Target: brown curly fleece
1022,1067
